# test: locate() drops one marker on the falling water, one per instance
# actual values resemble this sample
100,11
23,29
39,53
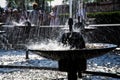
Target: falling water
4,43
107,34
17,35
62,14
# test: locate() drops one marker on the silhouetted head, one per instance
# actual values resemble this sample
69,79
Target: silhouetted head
35,6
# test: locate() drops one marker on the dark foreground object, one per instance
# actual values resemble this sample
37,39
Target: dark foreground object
74,61
86,53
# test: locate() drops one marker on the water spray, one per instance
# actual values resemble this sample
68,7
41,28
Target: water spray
70,21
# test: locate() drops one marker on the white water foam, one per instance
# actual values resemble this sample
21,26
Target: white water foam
50,45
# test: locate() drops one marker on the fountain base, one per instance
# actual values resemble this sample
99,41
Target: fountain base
74,67
74,62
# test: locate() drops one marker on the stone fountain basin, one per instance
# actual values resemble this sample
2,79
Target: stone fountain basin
95,50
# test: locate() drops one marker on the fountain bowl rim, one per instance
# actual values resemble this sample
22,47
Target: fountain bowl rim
106,47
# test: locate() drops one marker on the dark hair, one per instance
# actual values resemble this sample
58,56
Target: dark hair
35,5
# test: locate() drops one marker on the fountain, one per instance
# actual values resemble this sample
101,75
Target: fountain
74,60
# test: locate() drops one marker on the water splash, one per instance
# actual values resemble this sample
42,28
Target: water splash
18,24
50,45
21,23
